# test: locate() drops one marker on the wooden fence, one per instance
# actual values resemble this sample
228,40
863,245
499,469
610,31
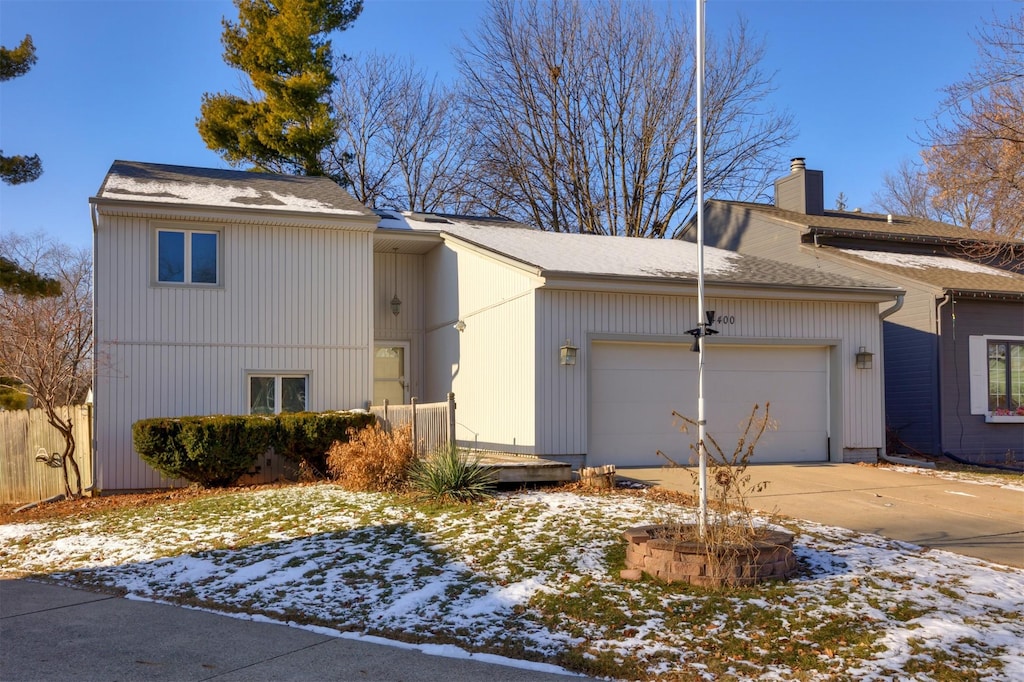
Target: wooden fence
433,424
27,447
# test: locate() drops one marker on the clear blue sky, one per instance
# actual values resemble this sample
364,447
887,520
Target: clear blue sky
123,80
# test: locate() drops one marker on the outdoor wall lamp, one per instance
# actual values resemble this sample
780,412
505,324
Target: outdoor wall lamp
567,353
460,326
396,303
863,358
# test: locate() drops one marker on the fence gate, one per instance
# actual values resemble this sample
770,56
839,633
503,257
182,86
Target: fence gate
433,424
28,447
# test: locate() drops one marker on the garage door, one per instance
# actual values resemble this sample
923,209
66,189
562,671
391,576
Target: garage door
635,386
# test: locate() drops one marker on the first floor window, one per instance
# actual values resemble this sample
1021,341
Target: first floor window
277,393
186,257
1005,376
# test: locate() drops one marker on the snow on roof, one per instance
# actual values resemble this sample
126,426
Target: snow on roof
922,262
560,253
580,253
183,185
208,194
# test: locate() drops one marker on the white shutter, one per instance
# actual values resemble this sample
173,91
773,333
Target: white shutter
978,361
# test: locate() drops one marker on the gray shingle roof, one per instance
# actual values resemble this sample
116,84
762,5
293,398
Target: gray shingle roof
867,224
186,185
942,272
560,254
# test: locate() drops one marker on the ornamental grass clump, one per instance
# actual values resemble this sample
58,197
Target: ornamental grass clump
447,477
374,459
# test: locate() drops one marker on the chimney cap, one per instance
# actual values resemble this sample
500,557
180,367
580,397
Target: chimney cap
797,164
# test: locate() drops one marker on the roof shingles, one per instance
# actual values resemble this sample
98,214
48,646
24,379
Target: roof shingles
186,185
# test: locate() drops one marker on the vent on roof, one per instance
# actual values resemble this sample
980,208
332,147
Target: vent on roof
387,214
428,217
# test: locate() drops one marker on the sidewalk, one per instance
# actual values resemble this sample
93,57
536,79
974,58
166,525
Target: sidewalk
58,633
982,521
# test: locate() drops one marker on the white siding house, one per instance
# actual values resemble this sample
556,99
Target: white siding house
788,336
230,292
283,301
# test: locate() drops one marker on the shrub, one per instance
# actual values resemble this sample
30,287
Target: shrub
212,451
446,476
372,459
305,437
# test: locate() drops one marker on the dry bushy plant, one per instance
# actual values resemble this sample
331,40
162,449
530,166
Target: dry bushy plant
373,459
730,527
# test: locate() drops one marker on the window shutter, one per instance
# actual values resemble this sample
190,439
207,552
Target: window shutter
978,360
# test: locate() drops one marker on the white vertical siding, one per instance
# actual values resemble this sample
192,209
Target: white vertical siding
562,392
291,300
401,274
489,365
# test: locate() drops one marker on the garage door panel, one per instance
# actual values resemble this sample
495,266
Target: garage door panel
633,385
631,405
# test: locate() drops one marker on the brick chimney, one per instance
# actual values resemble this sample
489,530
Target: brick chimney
802,191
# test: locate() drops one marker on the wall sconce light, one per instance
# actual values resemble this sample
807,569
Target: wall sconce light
460,326
863,358
567,353
396,303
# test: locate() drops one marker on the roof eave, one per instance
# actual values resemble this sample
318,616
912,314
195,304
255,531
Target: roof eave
687,285
355,222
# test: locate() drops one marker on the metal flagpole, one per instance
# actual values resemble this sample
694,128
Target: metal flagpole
701,449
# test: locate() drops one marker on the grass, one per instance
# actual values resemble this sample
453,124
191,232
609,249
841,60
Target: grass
538,574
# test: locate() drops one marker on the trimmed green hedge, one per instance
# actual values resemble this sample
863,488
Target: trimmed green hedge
305,437
217,450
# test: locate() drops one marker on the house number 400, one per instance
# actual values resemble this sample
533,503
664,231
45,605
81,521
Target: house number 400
726,319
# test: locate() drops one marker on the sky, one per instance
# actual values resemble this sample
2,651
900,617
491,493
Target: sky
123,79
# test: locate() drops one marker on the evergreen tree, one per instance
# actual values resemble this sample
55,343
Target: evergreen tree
15,170
282,46
15,279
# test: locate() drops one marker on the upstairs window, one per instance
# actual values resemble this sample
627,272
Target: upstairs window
274,394
187,257
1005,377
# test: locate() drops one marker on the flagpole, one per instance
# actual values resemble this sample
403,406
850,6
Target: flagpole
701,448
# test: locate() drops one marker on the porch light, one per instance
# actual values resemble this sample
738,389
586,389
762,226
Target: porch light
567,353
396,303
863,358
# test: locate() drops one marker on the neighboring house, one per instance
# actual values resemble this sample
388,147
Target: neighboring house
228,292
953,351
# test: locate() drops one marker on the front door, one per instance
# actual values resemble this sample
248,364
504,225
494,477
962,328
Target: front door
389,374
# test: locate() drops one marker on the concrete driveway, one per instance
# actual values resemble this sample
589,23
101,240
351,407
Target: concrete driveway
975,520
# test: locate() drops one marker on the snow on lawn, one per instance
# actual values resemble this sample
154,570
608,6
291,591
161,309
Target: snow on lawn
535,576
1008,479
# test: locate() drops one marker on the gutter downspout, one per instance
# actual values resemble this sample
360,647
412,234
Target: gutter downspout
881,453
947,298
95,348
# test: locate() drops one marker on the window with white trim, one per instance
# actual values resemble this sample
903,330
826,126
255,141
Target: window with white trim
187,256
997,377
277,393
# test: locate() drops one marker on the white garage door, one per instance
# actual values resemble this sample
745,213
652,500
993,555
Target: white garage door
635,386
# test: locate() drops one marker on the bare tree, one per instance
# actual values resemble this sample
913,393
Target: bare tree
47,340
585,114
973,152
402,138
906,191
